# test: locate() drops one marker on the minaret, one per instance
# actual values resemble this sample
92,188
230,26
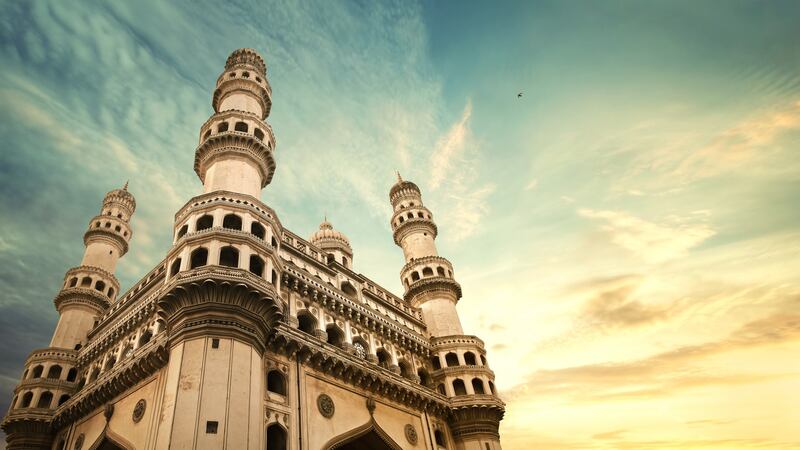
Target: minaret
51,375
221,291
236,144
427,277
460,368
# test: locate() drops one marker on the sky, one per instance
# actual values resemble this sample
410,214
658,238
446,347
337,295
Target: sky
626,232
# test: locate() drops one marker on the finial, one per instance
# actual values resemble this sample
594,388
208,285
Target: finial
399,178
125,188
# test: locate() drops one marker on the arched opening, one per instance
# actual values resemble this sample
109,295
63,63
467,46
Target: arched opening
469,359
274,278
360,347
308,323
436,362
259,134
240,126
256,265
63,399
175,267
232,222
205,222
414,276
111,292
477,386
424,377
440,389
256,229
86,282
229,257
183,230
127,352
72,374
451,359
384,359
245,74
406,371
276,437
402,219
366,437
273,241
483,360
427,272
345,262
459,387
95,373
73,282
491,388
438,436
330,258
199,258
349,290
440,271
223,126
110,362
37,372
100,286
117,228
145,337
54,372
107,444
276,382
26,400
45,400
335,335
410,215
205,136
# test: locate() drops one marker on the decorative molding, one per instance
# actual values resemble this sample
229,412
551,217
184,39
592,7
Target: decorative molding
411,434
325,405
138,410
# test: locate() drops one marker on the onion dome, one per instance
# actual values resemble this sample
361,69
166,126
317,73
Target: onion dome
326,238
121,197
246,57
403,187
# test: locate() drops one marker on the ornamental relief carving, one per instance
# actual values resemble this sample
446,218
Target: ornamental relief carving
325,405
138,410
411,434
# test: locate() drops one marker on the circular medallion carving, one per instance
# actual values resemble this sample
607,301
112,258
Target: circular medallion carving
411,434
138,410
79,442
325,405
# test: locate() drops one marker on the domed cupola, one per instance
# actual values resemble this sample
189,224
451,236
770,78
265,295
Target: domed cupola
334,243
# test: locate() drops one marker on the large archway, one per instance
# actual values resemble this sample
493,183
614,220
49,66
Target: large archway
106,444
369,436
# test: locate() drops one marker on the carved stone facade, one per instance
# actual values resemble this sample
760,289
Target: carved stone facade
247,336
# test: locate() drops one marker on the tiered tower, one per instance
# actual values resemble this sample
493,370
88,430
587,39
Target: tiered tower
50,375
459,363
221,296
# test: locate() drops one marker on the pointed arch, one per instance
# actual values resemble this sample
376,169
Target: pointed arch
109,440
370,435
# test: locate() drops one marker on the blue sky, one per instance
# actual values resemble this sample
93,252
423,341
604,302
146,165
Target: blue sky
636,207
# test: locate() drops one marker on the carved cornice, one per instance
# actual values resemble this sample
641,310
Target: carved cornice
357,313
28,428
239,144
109,236
476,416
430,285
410,226
456,341
88,297
138,313
46,383
104,274
353,370
126,374
456,370
220,300
52,354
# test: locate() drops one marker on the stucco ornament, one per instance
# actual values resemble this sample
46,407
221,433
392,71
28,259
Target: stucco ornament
325,405
79,442
361,352
138,410
411,434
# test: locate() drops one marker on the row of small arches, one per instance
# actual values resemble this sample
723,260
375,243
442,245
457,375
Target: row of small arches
410,216
336,337
451,360
86,282
245,74
230,222
239,126
108,213
460,387
228,257
117,228
45,400
111,361
53,373
427,272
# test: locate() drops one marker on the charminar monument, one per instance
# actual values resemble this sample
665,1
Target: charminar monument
248,336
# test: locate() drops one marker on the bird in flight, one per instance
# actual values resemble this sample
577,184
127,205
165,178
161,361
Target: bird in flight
519,95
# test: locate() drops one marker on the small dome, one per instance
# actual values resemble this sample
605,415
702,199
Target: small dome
121,196
246,57
327,238
401,185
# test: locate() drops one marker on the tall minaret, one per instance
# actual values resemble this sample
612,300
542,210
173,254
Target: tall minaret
460,367
221,291
51,374
427,277
236,144
89,288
